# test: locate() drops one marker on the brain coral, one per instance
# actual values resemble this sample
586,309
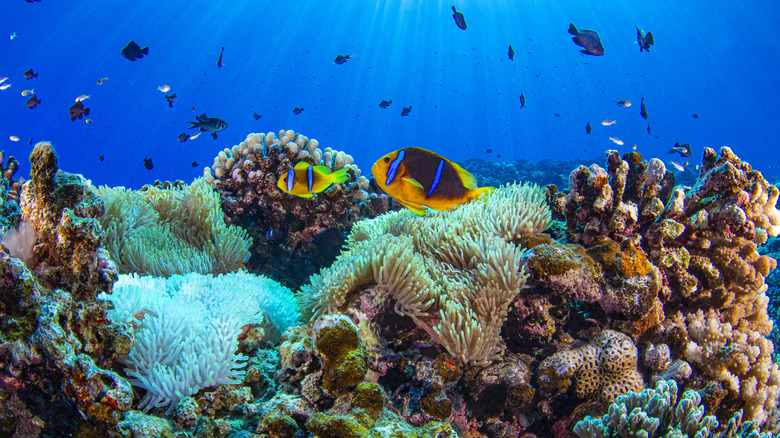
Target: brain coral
289,231
606,368
454,273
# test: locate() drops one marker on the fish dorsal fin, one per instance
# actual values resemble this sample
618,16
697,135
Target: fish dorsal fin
321,170
469,180
573,29
301,165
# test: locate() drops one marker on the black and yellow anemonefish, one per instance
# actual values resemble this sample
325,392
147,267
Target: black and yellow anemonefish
305,180
419,178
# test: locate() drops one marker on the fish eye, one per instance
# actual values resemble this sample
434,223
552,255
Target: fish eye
387,159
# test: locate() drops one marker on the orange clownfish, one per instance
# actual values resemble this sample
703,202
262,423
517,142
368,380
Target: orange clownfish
418,178
305,180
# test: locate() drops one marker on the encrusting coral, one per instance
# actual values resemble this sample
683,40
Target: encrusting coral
176,230
9,193
56,343
292,235
454,273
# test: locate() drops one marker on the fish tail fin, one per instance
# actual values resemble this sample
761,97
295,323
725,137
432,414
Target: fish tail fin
573,29
145,50
86,112
390,101
477,192
340,175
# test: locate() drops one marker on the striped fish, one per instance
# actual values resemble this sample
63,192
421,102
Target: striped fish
305,180
419,179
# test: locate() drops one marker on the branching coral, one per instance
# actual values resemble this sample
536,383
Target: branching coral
454,273
289,231
658,413
178,230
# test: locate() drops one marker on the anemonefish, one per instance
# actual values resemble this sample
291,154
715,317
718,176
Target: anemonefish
418,178
305,180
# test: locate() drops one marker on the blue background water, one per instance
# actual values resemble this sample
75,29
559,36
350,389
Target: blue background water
714,58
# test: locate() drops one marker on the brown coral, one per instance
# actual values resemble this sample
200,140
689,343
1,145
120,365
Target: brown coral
293,236
702,241
604,369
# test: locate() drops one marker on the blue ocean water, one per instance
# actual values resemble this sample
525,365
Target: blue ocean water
717,59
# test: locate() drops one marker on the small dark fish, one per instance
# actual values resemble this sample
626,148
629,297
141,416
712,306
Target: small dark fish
683,149
30,142
511,53
588,128
406,110
385,103
644,41
695,116
557,114
588,39
192,109
214,135
643,109
148,163
211,124
273,235
170,98
133,51
30,1
340,59
256,116
648,129
101,158
498,155
29,74
297,110
183,137
195,164
219,61
490,151
459,19
77,111
522,100
32,102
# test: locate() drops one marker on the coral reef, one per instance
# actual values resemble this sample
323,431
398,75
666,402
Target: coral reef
56,343
454,273
64,212
293,236
10,215
658,413
697,247
171,229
